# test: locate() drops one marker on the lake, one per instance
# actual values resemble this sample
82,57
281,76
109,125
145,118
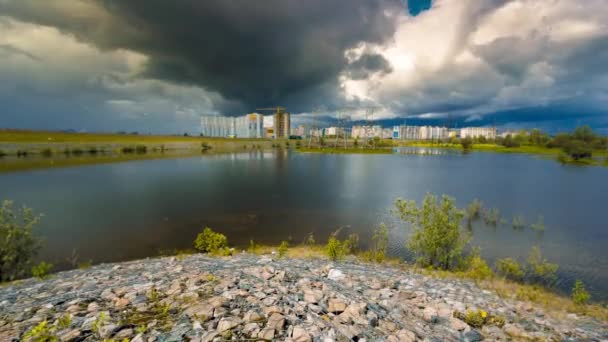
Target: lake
121,211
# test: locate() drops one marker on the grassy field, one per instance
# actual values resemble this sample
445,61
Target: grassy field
28,137
337,150
529,149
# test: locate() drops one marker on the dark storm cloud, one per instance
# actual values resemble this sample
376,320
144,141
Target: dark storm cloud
258,53
368,64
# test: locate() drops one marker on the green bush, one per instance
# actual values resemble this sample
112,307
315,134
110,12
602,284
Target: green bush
141,149
539,225
518,222
509,268
283,247
580,296
491,217
479,269
379,245
466,143
2,153
17,243
47,152
437,239
335,249
210,242
42,270
351,244
310,240
474,211
540,269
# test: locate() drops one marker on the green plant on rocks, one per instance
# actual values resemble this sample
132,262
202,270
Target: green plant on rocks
437,239
156,311
479,269
64,321
580,296
18,245
335,249
510,268
210,242
479,318
42,332
42,270
283,247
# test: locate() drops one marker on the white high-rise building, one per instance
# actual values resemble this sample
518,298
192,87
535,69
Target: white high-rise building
248,126
474,132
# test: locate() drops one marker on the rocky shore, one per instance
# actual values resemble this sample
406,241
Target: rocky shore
262,298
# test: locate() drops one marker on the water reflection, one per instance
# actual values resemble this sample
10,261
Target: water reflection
129,210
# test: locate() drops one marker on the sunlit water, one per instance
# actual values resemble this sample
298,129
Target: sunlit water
114,212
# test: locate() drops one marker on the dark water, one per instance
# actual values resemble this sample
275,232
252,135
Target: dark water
121,211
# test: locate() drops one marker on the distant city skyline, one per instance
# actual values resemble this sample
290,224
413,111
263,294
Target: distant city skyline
158,66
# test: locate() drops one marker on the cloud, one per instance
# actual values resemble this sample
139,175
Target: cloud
156,66
474,58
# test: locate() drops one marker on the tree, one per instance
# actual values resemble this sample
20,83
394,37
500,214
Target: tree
18,245
577,149
437,239
466,143
509,142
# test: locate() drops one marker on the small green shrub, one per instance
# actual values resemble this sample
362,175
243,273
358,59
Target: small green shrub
518,222
2,153
379,245
77,151
253,247
352,243
93,150
141,149
283,247
541,270
509,268
437,239
310,240
580,296
42,270
474,211
335,249
17,243
127,149
98,323
64,321
22,153
491,217
479,269
210,242
47,152
539,225
43,332
528,293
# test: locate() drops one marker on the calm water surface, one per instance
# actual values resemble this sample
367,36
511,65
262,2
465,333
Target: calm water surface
129,210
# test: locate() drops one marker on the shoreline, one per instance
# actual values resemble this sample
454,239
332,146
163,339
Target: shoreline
263,297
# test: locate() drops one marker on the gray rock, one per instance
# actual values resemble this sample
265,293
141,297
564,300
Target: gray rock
227,323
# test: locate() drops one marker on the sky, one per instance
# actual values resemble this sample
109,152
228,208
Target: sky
156,66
